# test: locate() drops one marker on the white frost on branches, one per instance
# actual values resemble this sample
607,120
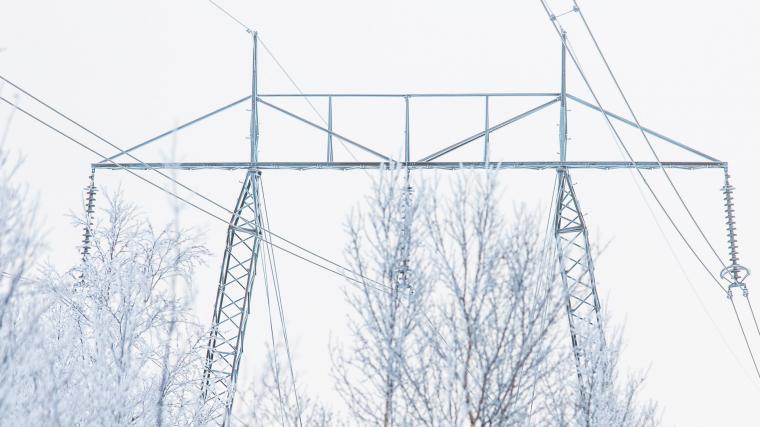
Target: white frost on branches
463,327
95,339
478,341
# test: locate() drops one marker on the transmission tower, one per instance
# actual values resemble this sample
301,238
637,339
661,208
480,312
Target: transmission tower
245,233
233,297
248,228
576,265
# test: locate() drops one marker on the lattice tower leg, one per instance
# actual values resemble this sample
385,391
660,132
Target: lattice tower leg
233,300
577,271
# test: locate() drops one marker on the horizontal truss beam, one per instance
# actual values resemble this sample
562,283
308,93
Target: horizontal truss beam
105,163
406,95
410,165
643,129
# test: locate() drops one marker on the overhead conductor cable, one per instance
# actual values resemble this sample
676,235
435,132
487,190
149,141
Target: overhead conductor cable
734,271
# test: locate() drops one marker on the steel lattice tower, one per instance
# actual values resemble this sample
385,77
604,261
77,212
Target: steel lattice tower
245,234
233,300
233,297
576,266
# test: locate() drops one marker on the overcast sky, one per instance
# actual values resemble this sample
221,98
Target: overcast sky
130,70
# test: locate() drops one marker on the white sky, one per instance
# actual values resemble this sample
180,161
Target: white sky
130,70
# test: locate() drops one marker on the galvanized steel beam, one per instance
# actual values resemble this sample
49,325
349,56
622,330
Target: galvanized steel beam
531,165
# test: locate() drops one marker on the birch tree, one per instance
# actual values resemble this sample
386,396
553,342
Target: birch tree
19,251
98,355
604,397
494,310
384,248
483,346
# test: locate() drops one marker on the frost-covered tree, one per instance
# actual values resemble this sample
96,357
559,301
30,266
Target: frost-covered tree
494,309
455,322
604,398
384,248
19,250
482,343
126,291
110,342
103,350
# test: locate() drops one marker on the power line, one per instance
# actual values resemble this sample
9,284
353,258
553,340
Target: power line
560,31
56,130
153,184
646,138
678,261
230,15
675,256
751,310
110,159
744,335
284,71
305,98
177,182
273,361
278,297
667,175
628,154
619,140
172,179
7,129
148,167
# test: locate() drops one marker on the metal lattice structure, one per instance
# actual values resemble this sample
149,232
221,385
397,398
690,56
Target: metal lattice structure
244,235
576,265
233,296
233,300
576,268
